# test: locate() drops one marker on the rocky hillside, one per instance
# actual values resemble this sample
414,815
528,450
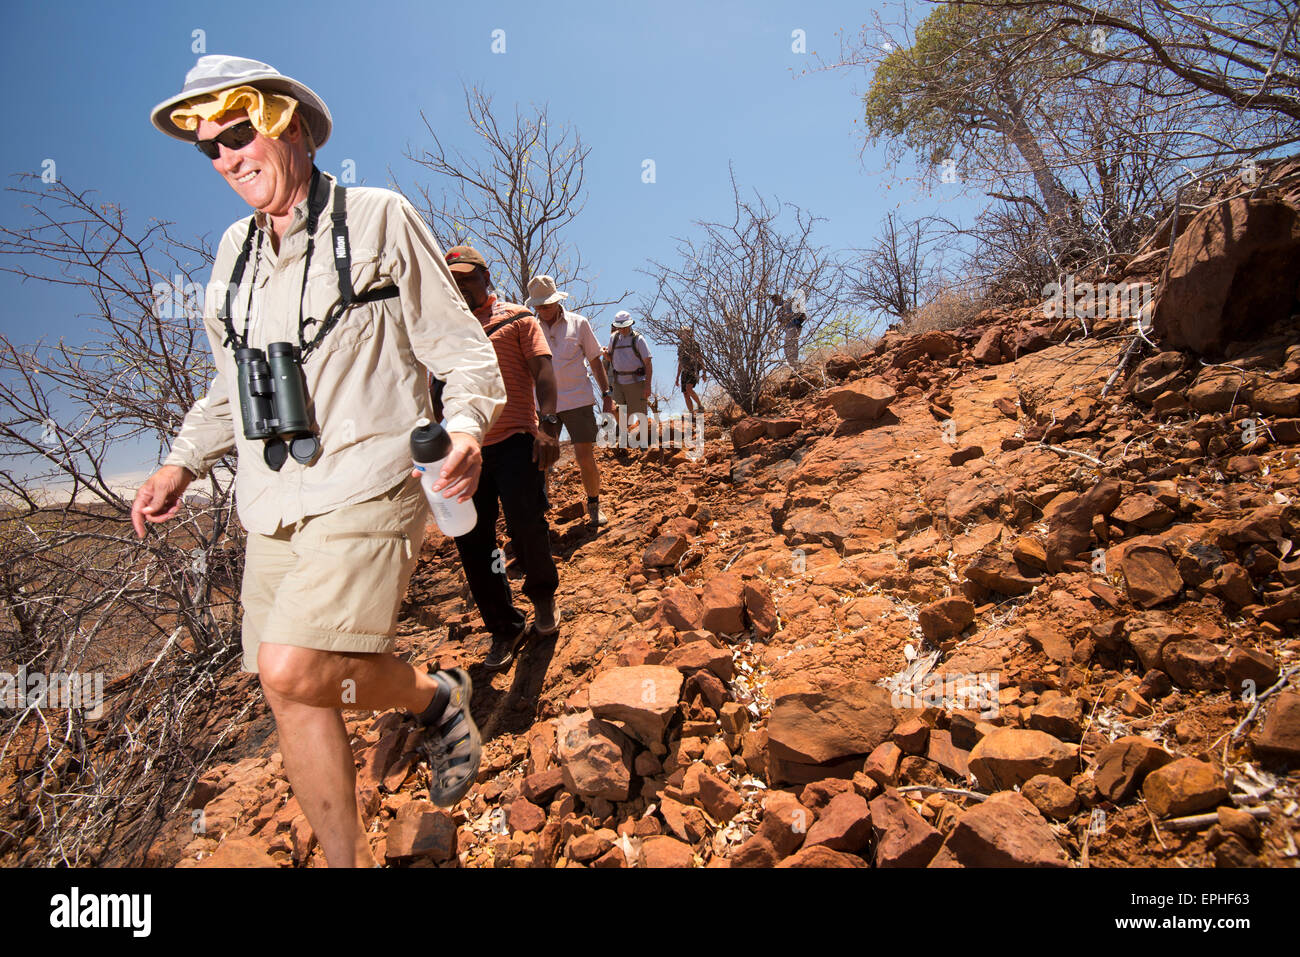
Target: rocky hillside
977,600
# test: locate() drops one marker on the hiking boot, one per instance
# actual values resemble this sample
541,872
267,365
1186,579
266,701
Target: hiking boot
503,650
546,619
594,515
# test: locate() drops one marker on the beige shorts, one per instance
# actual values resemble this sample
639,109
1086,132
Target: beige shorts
335,581
631,395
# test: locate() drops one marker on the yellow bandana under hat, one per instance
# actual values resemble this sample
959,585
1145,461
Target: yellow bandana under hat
269,113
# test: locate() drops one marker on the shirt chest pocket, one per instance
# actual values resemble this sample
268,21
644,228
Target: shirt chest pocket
566,351
353,325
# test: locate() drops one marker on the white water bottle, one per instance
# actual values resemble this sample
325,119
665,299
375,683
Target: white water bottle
430,446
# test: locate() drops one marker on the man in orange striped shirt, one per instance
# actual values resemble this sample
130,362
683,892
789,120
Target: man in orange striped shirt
517,451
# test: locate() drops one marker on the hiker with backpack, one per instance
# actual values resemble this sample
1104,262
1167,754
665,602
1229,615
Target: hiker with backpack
690,368
633,370
320,360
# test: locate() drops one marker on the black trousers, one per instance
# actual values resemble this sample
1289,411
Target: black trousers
512,477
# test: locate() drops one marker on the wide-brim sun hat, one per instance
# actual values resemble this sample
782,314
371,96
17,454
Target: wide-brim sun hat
542,292
215,72
622,320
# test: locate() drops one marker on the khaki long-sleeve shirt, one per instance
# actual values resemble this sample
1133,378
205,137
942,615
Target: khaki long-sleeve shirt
366,382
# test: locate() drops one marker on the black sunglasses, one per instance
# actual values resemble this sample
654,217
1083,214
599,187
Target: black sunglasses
232,138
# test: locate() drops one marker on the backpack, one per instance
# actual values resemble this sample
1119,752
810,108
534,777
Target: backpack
618,343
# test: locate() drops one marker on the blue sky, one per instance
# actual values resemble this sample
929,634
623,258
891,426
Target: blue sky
692,86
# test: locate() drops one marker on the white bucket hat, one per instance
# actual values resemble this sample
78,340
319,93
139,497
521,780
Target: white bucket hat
622,319
542,292
219,72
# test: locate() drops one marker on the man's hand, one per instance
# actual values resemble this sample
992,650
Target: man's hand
608,405
546,448
647,390
159,498
459,476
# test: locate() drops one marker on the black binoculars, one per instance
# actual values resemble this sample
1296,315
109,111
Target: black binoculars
273,403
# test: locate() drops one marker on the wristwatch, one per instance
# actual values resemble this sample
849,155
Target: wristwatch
607,393
550,418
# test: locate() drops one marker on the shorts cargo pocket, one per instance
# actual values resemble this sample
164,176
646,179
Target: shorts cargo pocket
347,584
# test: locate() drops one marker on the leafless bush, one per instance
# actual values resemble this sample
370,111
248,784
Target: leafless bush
513,201
951,308
722,284
158,618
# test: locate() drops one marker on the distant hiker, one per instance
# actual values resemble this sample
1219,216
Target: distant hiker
790,316
690,367
573,349
324,486
629,356
516,455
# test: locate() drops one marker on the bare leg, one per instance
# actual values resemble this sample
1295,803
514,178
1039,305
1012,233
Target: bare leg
319,763
585,453
307,689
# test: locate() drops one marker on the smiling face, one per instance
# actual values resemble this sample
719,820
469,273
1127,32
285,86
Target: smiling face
270,174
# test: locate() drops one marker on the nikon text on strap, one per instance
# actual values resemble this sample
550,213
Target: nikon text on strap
318,194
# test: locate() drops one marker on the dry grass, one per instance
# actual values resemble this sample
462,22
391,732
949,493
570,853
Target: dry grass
950,309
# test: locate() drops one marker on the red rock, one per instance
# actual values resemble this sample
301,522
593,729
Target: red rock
683,820
1280,733
780,428
239,852
755,852
1060,717
724,604
999,575
1232,583
1070,523
818,794
1143,511
760,607
949,757
525,816
666,852
864,400
694,655
589,846
1185,786
966,454
718,798
785,823
1004,831
936,344
903,838
1007,757
843,825
820,855
1194,663
882,764
664,551
989,348
1050,641
593,756
911,736
746,432
1230,273
829,725
1276,398
421,830
1123,764
681,608
946,617
542,786
1052,796
643,697
1150,573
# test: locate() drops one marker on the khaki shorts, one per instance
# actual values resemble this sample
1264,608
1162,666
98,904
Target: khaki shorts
581,423
631,395
334,582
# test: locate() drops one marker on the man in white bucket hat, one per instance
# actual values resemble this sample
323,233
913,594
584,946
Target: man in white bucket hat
633,370
334,514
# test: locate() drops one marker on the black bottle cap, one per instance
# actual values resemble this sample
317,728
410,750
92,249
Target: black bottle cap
429,443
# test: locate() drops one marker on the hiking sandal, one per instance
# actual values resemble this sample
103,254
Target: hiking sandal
452,746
